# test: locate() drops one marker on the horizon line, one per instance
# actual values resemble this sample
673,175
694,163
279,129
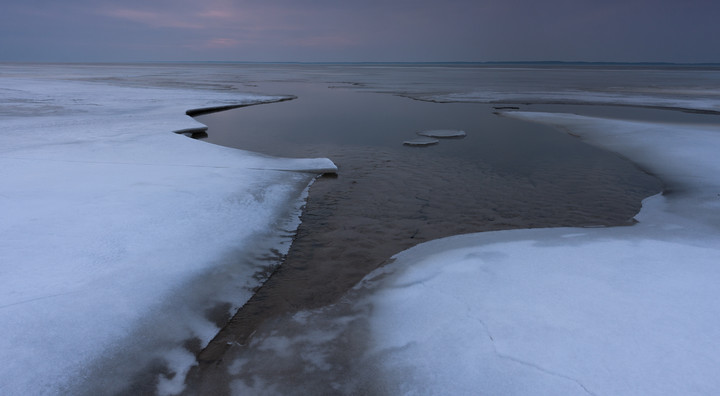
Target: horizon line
527,62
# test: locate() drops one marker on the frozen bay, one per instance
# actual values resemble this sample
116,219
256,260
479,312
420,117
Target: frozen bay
86,207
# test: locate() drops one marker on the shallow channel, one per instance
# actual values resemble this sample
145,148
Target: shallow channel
388,197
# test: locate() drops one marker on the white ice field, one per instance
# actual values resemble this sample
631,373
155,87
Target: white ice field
110,226
116,233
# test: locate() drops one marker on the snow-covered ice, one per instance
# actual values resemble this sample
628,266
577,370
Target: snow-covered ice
443,133
668,99
113,227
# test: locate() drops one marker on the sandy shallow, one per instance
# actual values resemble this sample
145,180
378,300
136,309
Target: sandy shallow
384,201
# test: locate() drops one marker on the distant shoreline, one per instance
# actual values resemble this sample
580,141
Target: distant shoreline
552,63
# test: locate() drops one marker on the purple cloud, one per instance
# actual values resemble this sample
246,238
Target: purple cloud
372,30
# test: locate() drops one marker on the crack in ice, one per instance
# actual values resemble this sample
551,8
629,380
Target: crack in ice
494,346
36,299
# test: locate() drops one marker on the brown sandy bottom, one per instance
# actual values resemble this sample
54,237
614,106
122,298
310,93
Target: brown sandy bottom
384,201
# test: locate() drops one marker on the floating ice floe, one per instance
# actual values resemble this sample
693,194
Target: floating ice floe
443,133
421,141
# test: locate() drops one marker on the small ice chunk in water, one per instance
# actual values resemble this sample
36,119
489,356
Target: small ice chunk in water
421,141
443,133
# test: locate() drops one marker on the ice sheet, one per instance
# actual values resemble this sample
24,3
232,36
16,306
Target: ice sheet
111,224
669,99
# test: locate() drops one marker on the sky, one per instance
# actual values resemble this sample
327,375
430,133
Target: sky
357,31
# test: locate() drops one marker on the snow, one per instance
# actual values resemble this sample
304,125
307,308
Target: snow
616,311
116,233
443,133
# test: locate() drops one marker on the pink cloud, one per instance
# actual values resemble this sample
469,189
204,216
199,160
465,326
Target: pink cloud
154,19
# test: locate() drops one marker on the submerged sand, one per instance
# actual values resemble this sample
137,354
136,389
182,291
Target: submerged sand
384,201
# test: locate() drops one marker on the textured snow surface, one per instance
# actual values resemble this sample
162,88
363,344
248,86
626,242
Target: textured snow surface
613,311
111,225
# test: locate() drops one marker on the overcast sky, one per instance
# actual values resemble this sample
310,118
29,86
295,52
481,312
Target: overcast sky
362,30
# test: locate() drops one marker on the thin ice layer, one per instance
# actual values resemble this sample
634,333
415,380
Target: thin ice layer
421,141
670,99
108,220
443,133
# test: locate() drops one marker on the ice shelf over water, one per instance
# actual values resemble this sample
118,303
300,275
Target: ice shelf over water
111,223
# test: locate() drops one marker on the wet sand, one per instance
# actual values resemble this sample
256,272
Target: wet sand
385,200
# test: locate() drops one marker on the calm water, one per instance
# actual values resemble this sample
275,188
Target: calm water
388,197
326,119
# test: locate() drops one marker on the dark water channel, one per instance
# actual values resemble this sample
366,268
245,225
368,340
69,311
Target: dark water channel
388,197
